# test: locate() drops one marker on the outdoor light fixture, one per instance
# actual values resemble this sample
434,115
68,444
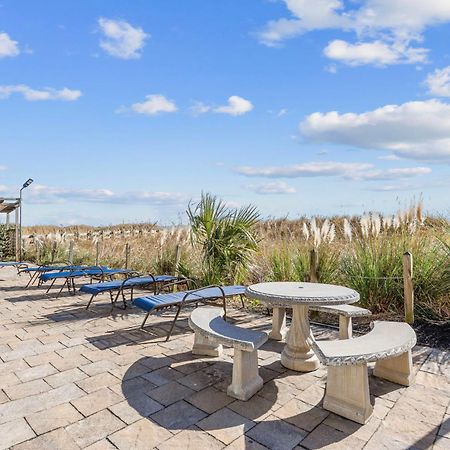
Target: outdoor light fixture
25,185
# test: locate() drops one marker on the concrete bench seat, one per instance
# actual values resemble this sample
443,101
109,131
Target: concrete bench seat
389,344
346,313
212,333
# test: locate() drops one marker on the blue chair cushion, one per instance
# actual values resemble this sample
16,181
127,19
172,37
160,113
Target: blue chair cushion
151,302
97,288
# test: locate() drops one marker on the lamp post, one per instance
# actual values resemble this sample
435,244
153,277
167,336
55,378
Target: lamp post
25,185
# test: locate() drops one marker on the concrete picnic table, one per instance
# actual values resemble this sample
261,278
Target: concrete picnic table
297,353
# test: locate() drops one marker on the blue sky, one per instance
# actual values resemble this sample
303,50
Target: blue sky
127,110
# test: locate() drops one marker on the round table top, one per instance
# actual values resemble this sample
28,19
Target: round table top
288,293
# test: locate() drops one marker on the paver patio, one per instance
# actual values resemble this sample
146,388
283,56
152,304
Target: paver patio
71,379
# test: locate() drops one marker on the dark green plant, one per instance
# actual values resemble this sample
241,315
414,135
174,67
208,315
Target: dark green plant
227,238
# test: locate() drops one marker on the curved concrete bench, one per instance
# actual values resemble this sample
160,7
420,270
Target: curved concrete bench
347,391
345,312
212,332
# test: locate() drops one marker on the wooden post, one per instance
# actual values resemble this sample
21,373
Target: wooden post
97,248
53,254
313,266
408,287
71,252
127,254
177,259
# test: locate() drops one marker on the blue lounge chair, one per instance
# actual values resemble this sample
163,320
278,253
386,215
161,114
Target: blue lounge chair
34,272
92,272
142,282
179,299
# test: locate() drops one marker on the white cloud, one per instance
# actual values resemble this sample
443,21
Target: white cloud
438,82
199,108
378,53
121,39
153,105
310,169
390,174
46,194
389,157
8,47
417,130
2,168
282,112
385,29
277,187
236,106
30,94
347,171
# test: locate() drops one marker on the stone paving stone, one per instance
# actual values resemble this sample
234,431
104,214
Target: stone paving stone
27,389
178,416
428,379
68,376
3,397
128,372
43,358
56,417
96,382
141,435
162,376
35,373
14,432
12,366
55,440
191,439
35,403
444,429
441,443
256,408
8,379
94,428
276,434
226,425
156,362
312,395
104,444
209,400
363,432
132,387
97,367
245,443
327,437
96,401
301,414
135,408
170,393
198,380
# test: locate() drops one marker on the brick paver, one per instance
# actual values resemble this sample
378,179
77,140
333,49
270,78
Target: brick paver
77,379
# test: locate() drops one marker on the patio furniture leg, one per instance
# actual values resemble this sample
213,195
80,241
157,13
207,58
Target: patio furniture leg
224,309
90,301
53,282
345,327
397,369
279,328
246,380
145,320
62,287
173,323
205,346
242,301
347,392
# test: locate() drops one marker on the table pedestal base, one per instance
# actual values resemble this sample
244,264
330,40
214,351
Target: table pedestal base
297,354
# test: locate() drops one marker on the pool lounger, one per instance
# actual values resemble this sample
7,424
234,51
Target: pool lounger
179,299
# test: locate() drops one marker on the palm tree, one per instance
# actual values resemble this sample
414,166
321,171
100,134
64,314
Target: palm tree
227,238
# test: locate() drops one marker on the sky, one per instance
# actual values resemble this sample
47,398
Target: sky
126,111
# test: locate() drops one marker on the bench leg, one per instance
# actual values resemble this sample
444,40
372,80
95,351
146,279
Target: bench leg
205,346
246,380
347,392
279,329
345,327
397,369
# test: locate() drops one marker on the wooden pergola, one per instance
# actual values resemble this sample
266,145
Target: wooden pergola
11,206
